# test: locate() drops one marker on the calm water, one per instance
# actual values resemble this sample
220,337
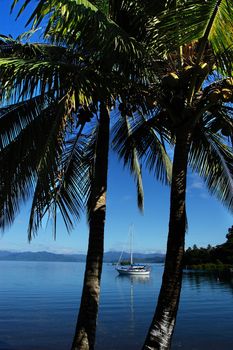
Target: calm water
39,302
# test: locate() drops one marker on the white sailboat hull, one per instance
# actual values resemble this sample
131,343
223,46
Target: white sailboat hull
133,271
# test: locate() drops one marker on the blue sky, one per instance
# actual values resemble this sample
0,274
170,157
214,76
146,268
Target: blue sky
208,220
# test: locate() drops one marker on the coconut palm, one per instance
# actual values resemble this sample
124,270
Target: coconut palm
193,100
56,75
42,150
43,143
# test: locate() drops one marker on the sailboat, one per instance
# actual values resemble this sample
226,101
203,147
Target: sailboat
132,269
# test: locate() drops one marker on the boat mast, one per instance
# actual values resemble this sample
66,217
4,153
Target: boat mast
131,245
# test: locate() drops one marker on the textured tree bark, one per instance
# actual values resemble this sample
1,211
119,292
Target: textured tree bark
161,330
84,338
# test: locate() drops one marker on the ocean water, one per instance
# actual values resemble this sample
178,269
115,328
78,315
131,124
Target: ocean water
39,303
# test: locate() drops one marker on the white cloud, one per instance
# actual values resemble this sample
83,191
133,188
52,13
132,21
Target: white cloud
204,195
127,198
198,184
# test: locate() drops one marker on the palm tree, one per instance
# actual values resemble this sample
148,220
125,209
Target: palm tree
43,146
54,75
198,113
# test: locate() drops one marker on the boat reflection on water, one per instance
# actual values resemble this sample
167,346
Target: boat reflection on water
134,279
133,285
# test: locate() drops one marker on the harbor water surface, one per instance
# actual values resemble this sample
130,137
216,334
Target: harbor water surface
39,304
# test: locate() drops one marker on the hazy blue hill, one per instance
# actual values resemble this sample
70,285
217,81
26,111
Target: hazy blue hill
40,256
109,257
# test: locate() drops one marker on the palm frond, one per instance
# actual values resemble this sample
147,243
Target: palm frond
207,21
122,130
18,164
10,48
220,34
16,117
73,181
145,135
213,160
72,20
27,35
73,193
48,167
22,79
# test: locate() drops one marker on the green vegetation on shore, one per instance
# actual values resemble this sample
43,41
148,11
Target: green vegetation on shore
211,258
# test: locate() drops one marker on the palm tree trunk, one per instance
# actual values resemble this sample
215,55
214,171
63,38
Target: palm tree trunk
84,338
161,329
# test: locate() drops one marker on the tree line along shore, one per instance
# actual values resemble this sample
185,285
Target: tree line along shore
211,258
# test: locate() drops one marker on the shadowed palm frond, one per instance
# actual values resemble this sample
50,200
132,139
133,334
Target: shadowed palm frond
213,160
18,163
145,135
44,161
221,122
73,181
48,167
122,132
16,117
38,51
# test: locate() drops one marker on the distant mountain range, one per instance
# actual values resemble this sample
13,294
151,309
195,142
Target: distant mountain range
109,257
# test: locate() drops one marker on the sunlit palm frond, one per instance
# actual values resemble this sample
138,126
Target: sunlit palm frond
70,21
220,34
212,158
27,35
207,21
34,69
21,79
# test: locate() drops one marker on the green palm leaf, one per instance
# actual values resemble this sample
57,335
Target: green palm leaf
122,131
18,164
144,134
208,21
213,160
73,181
16,117
25,78
72,20
48,166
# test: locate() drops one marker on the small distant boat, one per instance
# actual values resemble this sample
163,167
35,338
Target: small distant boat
132,269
